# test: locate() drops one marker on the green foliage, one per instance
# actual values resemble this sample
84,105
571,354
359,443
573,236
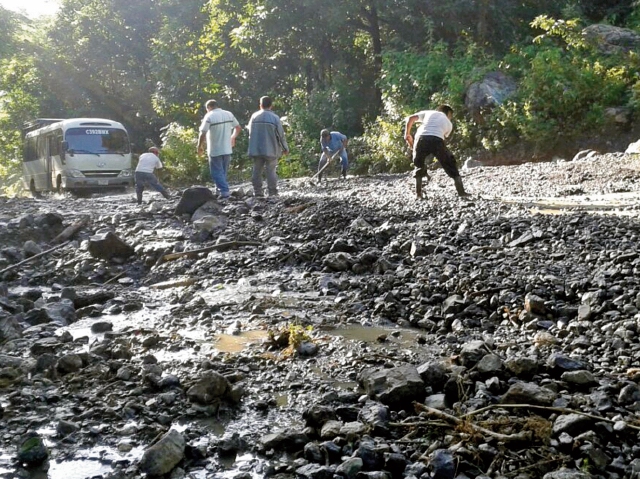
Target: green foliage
385,146
180,158
564,88
359,67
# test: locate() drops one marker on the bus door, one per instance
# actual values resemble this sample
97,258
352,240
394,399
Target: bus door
50,146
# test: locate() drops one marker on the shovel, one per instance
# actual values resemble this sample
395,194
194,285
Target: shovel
329,161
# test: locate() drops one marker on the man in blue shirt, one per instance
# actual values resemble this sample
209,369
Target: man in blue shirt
333,143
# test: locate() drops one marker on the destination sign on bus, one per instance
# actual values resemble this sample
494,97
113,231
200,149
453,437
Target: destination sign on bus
97,132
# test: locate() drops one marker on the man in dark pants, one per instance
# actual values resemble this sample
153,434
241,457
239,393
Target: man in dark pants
145,176
435,127
266,145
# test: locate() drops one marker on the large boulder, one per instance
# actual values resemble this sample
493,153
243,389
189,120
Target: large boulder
633,148
396,387
211,386
610,39
10,329
109,245
491,91
192,199
164,455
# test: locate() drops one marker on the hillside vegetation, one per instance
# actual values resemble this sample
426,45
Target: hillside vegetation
356,66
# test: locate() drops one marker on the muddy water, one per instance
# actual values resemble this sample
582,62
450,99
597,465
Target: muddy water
232,336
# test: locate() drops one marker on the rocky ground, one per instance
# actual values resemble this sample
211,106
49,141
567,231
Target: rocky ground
338,331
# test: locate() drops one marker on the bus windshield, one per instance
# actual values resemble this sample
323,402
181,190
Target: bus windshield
97,140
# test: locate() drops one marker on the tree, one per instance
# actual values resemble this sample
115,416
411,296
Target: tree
100,61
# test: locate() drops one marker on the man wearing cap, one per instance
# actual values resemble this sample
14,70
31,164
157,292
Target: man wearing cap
147,163
333,143
220,129
435,126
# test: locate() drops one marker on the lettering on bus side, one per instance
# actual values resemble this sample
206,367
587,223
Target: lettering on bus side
97,132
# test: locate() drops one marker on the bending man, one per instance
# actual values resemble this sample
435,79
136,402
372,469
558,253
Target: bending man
333,143
144,175
435,127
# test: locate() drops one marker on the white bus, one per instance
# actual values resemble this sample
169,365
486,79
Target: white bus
76,154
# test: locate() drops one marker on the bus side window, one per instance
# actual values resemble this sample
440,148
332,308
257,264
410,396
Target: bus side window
30,153
42,147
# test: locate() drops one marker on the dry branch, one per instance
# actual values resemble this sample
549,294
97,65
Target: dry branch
560,410
31,258
520,436
71,230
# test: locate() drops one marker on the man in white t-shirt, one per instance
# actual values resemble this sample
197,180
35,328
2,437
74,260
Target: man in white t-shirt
147,163
435,126
220,128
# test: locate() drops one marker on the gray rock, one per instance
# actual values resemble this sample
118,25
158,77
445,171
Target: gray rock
338,261
396,387
31,248
210,387
629,394
314,471
584,312
330,429
443,464
32,450
561,362
64,428
490,364
472,352
453,304
352,430
318,414
395,463
10,329
108,246
434,373
307,348
101,327
534,304
164,455
579,378
567,474
350,467
374,414
633,148
610,39
471,163
528,393
436,401
38,316
314,453
69,363
291,441
192,199
572,424
491,91
372,458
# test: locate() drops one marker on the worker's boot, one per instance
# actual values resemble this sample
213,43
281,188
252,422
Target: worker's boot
139,197
419,187
460,188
